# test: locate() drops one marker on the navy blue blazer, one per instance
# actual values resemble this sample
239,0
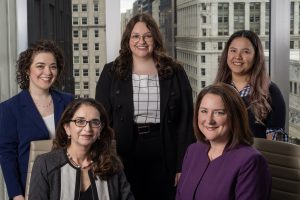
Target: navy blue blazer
21,123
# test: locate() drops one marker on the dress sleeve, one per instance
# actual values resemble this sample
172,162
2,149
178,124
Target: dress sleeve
9,151
103,89
254,180
185,128
39,184
275,122
276,118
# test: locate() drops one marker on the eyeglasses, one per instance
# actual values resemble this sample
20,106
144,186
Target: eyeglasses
82,123
147,37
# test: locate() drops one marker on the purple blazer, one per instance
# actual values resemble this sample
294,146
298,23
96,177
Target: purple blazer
240,173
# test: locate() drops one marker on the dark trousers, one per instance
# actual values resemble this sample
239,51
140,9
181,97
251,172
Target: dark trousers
146,171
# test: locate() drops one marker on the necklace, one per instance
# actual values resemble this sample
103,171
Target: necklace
43,106
77,165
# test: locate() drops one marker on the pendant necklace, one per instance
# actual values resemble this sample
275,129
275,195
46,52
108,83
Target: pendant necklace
77,165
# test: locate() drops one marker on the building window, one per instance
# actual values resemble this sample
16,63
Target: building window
96,20
220,45
96,46
76,72
202,71
255,17
77,96
84,21
84,46
85,59
75,7
203,5
85,72
204,32
267,44
203,84
75,46
295,88
239,16
83,7
291,44
267,27
223,14
75,20
291,86
85,85
96,7
292,19
204,19
84,33
96,33
76,59
77,85
97,72
75,33
96,59
86,96
202,45
202,59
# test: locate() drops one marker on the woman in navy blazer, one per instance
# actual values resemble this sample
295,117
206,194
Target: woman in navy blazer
32,114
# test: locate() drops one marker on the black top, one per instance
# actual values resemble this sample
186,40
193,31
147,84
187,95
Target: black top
86,195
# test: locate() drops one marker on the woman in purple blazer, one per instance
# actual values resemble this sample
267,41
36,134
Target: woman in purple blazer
32,114
222,164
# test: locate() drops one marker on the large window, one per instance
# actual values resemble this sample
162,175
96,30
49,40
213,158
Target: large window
239,16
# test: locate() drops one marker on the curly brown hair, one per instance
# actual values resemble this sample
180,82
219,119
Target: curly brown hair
237,117
26,58
102,151
123,63
259,99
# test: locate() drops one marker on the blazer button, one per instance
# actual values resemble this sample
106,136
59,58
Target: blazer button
169,121
119,106
122,119
118,92
172,93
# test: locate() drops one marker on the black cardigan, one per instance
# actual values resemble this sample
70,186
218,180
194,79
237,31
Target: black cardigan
275,118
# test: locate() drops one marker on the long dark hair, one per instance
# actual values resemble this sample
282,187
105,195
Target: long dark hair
123,63
102,152
259,99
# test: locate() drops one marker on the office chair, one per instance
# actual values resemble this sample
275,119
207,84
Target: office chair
36,148
284,163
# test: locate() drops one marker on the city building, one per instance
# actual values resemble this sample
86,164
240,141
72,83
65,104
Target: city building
203,27
89,45
22,23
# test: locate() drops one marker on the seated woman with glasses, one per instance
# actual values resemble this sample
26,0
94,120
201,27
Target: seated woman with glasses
83,164
149,102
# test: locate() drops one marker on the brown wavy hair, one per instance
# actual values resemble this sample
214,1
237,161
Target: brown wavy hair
123,63
26,57
102,152
259,99
235,109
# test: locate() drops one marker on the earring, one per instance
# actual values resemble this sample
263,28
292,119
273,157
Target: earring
69,137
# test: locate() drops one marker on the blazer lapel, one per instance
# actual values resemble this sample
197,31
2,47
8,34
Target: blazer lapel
32,113
58,106
165,85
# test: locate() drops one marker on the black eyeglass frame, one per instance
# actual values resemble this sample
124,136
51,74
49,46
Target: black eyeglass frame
76,121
